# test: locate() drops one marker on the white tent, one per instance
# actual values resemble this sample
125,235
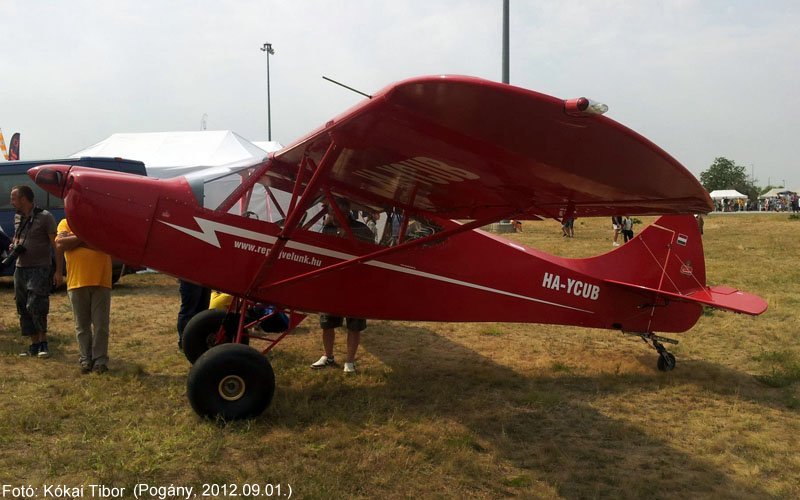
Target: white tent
170,154
729,194
775,192
269,146
204,157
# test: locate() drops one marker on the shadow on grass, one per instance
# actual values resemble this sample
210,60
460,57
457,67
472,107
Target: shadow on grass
11,347
544,424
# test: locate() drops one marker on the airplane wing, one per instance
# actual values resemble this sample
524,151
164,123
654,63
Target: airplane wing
467,148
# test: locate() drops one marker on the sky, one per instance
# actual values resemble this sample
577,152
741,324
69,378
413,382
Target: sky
700,78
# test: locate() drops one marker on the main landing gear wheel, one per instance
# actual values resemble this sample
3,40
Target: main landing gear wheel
666,361
200,334
231,381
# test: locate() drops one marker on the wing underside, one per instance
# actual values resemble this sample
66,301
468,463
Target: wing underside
465,148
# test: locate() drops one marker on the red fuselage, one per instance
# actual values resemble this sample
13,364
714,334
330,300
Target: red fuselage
471,276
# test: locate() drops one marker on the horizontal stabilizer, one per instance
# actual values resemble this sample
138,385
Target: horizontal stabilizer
720,297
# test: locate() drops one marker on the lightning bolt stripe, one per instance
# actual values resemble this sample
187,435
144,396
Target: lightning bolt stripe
209,229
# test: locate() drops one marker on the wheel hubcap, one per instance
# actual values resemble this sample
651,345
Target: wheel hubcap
231,387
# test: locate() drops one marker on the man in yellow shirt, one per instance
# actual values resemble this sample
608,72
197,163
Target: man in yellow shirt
89,290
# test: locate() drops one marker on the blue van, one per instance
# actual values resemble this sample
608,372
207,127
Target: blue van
14,173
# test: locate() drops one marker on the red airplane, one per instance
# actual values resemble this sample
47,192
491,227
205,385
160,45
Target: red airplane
423,153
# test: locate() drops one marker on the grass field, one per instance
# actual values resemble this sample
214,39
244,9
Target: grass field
437,410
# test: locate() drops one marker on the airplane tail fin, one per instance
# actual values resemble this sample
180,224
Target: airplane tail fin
666,259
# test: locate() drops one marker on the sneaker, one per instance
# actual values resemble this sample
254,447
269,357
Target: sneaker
32,351
615,244
43,352
100,369
349,367
323,362
86,367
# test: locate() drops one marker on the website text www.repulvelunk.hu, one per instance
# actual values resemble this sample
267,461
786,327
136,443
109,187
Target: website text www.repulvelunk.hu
285,254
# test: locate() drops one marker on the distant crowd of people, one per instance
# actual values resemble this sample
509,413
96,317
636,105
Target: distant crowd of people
620,224
784,203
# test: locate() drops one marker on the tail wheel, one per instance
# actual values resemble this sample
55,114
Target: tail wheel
200,334
666,361
231,381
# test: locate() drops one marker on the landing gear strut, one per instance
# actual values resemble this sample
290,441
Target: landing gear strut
666,360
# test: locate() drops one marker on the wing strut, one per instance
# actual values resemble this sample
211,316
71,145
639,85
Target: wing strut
296,211
337,212
382,253
275,201
298,181
244,187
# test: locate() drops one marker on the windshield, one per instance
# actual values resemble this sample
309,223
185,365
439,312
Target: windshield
218,188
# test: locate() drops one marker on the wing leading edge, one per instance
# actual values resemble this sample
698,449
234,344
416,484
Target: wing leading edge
466,148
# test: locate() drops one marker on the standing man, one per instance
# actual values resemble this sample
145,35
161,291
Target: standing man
89,290
329,323
194,299
700,222
627,228
568,227
616,225
33,243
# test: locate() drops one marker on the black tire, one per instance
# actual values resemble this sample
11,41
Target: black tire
232,382
200,334
116,273
666,362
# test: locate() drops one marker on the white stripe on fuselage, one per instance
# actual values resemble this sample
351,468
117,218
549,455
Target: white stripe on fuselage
209,229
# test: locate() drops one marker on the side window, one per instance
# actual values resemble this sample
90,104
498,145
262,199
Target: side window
420,228
259,201
415,228
8,181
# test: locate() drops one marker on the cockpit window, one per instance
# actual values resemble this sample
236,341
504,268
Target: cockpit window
261,199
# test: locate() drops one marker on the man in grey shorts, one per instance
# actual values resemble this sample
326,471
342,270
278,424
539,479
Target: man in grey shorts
354,328
329,323
34,233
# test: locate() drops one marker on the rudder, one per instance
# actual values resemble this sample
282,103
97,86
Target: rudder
667,259
667,255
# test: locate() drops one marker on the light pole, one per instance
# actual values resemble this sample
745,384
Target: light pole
505,42
269,50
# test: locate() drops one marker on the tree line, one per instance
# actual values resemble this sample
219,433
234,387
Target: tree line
726,174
